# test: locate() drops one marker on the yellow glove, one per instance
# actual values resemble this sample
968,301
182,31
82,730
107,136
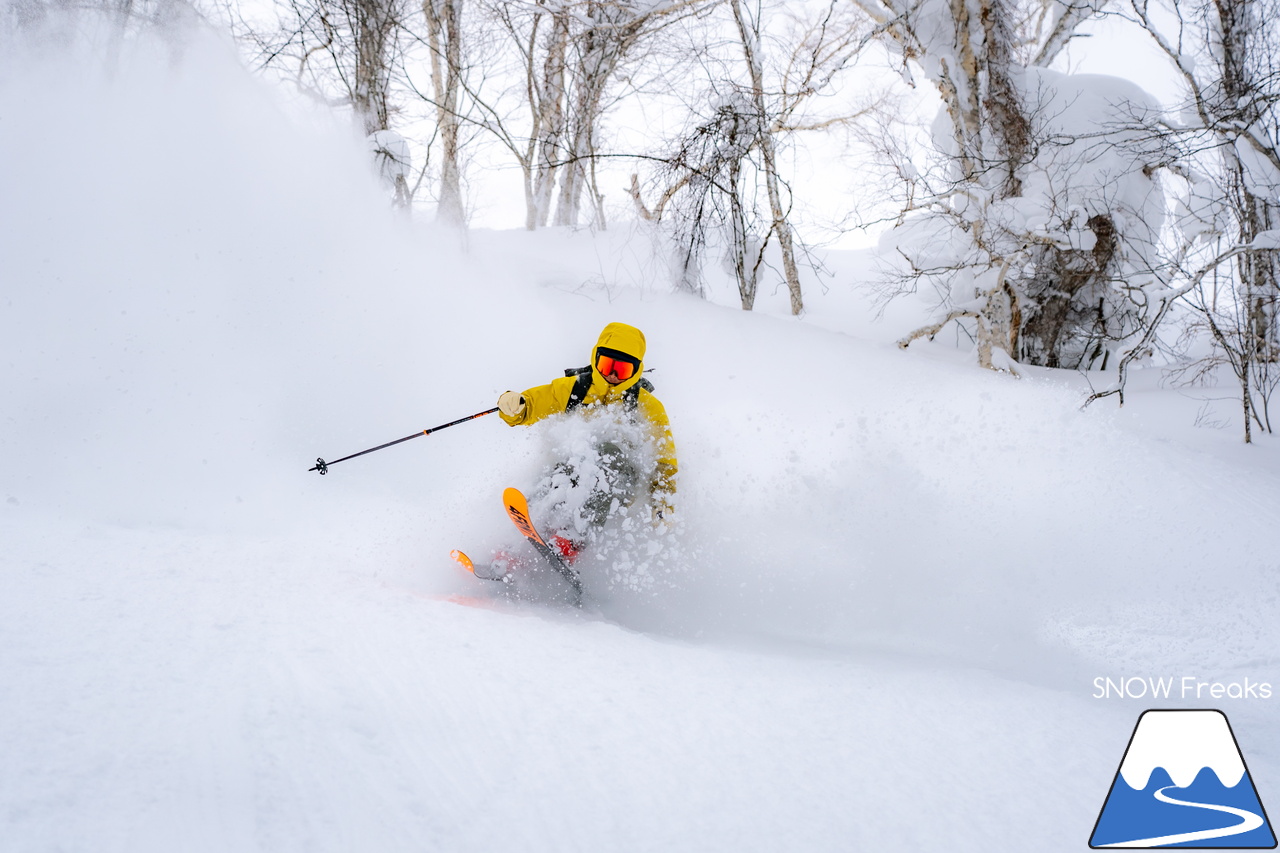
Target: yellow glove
511,404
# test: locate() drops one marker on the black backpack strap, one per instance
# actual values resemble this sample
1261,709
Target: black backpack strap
631,397
580,388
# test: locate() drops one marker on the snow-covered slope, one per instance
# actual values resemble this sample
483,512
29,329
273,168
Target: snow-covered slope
897,579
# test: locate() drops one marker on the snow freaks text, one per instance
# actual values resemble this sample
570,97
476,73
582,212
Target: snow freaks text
1178,687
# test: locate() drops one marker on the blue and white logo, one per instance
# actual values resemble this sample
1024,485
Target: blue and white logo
1183,783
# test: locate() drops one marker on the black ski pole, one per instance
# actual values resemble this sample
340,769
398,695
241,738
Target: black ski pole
323,467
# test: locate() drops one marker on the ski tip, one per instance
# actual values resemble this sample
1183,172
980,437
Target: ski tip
463,560
517,507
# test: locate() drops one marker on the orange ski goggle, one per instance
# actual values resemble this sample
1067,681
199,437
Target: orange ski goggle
612,365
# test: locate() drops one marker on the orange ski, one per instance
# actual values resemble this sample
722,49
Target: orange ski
517,507
484,571
463,560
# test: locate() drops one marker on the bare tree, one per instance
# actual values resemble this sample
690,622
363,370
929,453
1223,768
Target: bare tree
1190,288
1226,56
537,34
705,175
342,52
748,27
712,174
1036,209
444,39
572,54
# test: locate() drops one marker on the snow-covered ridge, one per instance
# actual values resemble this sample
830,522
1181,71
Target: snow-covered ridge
1183,743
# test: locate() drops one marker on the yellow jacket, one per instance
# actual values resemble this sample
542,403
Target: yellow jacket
553,398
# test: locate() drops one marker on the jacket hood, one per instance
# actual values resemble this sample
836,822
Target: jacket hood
623,338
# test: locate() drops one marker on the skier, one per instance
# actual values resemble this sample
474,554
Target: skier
612,382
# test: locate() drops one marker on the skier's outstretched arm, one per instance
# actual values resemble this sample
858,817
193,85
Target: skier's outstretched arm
521,408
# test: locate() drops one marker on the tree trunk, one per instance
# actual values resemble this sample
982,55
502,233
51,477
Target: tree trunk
743,269
1002,99
597,61
780,226
444,37
373,23
1258,279
549,117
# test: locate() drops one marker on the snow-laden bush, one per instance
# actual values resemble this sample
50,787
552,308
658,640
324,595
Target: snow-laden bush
1047,255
